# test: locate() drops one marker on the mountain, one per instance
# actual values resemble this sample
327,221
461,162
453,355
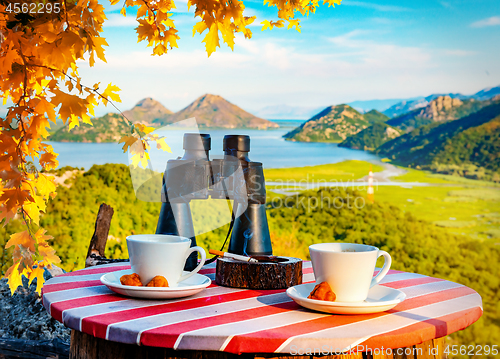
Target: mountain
209,110
487,93
149,112
379,105
214,111
413,104
474,139
333,124
443,108
108,128
372,137
419,102
374,116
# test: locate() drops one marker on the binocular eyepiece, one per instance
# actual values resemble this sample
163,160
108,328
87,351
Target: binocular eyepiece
195,176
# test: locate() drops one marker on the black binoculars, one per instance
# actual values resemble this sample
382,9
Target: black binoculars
235,177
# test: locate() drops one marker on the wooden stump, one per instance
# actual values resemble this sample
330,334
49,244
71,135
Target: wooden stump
98,242
238,274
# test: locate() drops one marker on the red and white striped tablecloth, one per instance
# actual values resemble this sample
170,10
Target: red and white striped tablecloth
257,321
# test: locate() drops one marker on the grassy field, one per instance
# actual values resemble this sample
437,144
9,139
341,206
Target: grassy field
343,171
461,205
414,175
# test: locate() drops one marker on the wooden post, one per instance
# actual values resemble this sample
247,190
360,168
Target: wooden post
98,242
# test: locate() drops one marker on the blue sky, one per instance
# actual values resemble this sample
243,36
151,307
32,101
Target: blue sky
360,50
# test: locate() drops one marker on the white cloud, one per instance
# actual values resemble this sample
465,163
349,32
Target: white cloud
458,52
371,57
116,20
266,71
491,21
378,7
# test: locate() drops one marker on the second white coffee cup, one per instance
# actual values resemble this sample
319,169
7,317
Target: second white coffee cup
348,268
161,254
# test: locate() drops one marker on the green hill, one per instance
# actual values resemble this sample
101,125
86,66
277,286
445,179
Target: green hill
375,116
334,124
108,128
441,109
471,140
372,137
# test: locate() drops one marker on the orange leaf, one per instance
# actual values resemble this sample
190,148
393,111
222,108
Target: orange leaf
21,239
129,141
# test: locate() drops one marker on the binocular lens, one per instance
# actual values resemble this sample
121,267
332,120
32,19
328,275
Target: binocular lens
197,141
236,142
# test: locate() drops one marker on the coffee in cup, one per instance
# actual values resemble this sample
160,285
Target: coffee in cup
161,254
348,268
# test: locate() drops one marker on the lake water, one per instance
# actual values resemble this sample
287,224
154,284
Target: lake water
267,146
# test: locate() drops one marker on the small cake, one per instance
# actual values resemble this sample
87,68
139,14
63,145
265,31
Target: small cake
322,291
131,279
158,281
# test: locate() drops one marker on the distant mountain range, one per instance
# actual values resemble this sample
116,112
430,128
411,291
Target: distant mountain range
390,107
334,124
473,139
442,108
209,111
419,102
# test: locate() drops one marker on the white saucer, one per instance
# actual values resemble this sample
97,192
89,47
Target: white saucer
188,287
379,299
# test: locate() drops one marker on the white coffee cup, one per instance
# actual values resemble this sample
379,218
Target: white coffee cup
348,268
161,254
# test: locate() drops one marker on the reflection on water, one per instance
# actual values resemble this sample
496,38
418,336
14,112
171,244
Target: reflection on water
267,146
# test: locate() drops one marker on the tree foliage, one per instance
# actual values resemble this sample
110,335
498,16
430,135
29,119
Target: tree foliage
39,49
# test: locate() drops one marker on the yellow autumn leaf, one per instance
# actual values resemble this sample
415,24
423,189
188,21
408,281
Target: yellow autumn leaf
14,278
162,145
140,158
271,24
40,280
292,23
211,40
144,129
32,211
199,27
123,11
45,184
73,121
110,93
266,24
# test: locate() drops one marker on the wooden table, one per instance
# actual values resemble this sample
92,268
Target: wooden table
223,323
